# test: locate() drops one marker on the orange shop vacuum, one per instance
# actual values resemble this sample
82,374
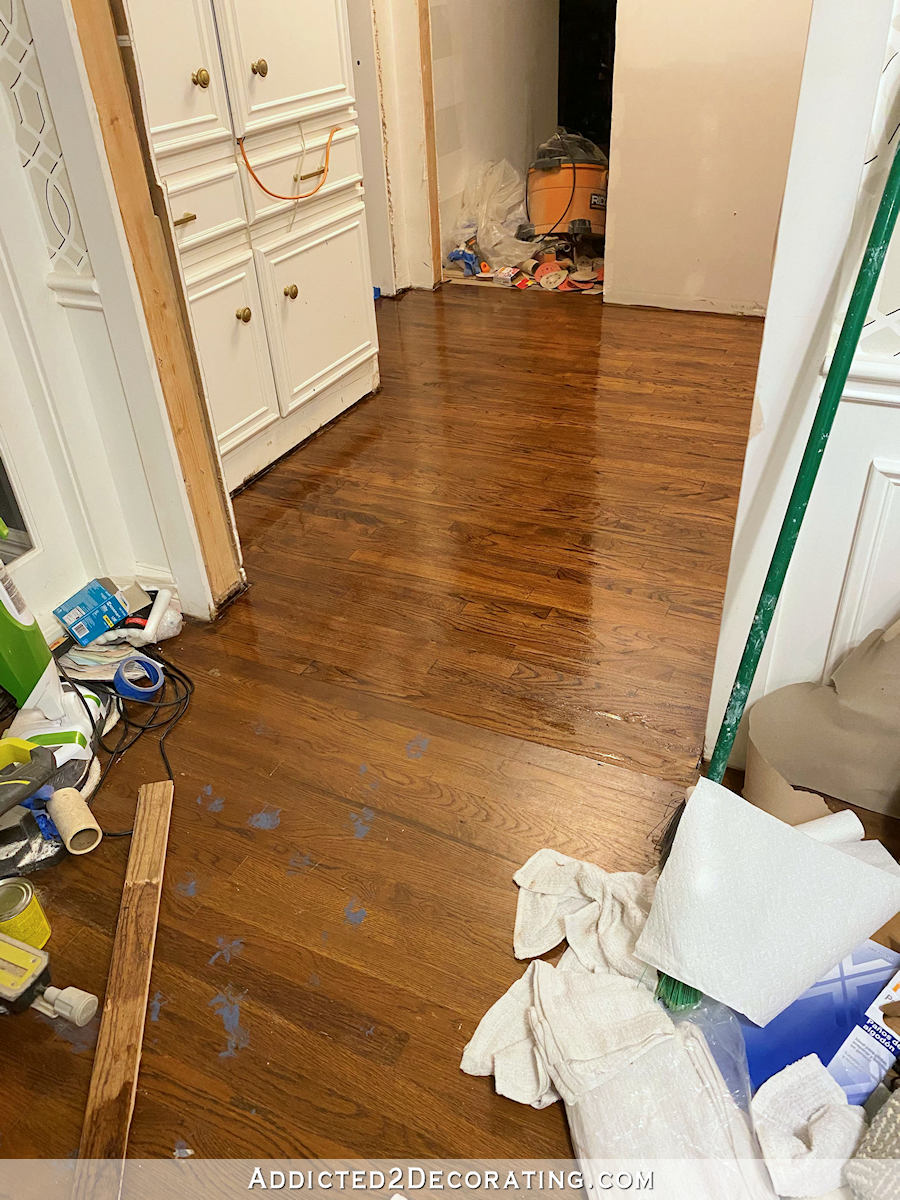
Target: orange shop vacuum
566,189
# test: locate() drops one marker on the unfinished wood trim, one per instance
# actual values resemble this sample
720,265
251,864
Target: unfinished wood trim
110,1103
172,345
431,166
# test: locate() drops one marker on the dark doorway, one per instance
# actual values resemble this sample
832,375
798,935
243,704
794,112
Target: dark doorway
587,40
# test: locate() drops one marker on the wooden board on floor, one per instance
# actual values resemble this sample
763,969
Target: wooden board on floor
107,1118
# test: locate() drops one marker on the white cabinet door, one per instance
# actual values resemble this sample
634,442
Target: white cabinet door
234,352
318,296
175,43
285,59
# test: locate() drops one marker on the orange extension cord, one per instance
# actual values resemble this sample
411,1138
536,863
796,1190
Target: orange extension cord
306,195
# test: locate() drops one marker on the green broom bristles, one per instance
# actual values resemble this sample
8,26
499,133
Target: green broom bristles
677,996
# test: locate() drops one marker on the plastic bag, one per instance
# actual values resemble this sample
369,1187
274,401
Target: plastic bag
722,1031
492,208
569,147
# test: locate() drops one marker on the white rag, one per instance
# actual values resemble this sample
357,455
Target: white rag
637,1087
806,1128
600,913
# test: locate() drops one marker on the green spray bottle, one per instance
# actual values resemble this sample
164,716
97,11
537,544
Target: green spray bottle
27,669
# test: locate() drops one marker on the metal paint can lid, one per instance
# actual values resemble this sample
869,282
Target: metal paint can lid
15,896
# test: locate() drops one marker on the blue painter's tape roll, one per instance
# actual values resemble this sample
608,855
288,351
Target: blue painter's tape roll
147,685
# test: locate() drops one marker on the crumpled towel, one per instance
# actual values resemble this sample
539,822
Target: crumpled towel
806,1128
874,1173
637,1087
600,913
503,1046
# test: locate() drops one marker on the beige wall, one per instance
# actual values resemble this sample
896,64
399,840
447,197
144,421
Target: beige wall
495,76
704,100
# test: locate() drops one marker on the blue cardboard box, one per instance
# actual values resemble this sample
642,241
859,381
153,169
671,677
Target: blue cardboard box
96,608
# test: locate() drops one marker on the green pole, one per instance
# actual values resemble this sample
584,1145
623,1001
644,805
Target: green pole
858,308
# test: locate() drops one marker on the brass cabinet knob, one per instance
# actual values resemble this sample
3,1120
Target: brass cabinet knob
292,291
260,68
244,314
184,219
200,78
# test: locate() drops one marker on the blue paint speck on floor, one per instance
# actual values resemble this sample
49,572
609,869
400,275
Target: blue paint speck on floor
417,746
314,980
79,1039
363,767
183,1150
227,950
187,886
266,818
216,805
228,1006
362,822
324,935
354,915
157,1002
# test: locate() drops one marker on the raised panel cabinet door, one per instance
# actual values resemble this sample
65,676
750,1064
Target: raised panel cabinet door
234,353
285,60
180,72
319,305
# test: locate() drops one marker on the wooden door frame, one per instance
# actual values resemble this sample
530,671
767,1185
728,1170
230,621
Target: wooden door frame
90,96
403,67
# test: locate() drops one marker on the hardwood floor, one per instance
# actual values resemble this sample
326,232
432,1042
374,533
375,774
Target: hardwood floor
482,619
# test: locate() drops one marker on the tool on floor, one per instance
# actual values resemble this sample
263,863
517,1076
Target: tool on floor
50,744
675,995
25,983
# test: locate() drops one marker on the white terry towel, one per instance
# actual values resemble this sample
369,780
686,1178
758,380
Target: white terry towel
503,1046
806,1128
638,1089
600,913
588,1026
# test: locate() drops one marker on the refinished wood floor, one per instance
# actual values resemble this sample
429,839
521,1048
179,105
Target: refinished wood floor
482,620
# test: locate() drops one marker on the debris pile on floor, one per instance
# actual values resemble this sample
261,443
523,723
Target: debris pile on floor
548,232
50,753
751,911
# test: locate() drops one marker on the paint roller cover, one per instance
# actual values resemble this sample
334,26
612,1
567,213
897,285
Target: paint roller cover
753,911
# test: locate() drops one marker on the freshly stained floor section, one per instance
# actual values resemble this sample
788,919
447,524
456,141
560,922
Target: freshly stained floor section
482,619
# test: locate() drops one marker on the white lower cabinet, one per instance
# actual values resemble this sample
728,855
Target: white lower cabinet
226,310
318,304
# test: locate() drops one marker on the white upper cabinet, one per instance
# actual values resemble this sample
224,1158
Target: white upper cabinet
180,73
287,59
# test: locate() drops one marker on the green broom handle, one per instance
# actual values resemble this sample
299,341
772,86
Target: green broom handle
858,308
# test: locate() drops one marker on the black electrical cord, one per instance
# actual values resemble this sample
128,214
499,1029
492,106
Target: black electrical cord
564,211
182,687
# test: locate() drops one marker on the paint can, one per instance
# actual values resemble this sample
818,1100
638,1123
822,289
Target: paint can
21,915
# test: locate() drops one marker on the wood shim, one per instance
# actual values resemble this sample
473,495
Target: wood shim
110,1104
